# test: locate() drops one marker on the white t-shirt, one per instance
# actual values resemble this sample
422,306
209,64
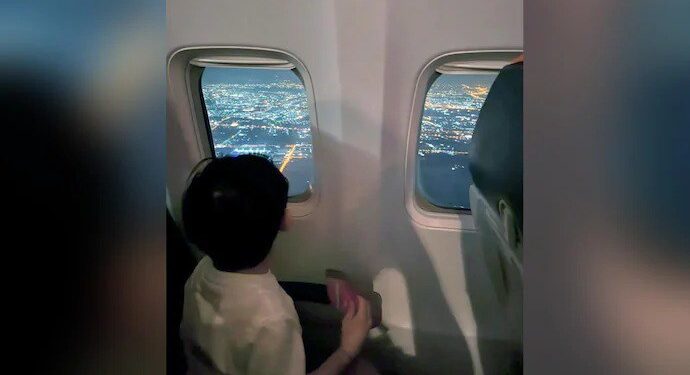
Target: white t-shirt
238,324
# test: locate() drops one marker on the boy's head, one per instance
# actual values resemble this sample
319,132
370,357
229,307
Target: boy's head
233,209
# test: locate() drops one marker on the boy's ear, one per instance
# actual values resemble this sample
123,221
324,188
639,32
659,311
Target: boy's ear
285,222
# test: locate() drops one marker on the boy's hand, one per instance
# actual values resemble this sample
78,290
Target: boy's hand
356,324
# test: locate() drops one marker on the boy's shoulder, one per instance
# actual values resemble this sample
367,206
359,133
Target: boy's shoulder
250,297
273,305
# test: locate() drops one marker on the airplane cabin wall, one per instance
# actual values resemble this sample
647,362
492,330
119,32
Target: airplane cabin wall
364,58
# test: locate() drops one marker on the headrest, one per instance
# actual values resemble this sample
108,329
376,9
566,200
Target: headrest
496,149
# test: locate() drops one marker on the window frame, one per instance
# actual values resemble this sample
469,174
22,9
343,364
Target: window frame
299,205
420,210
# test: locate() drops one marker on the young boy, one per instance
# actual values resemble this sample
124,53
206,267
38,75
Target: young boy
237,319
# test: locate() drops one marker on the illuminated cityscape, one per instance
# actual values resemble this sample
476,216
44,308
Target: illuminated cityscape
450,112
265,112
261,112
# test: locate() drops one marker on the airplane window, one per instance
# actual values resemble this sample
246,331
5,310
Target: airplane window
451,110
261,111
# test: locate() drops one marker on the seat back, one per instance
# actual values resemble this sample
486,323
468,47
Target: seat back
496,195
180,264
503,260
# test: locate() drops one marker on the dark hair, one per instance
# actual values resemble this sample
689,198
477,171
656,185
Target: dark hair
233,208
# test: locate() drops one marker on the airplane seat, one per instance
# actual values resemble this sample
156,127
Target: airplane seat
180,264
503,259
496,194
